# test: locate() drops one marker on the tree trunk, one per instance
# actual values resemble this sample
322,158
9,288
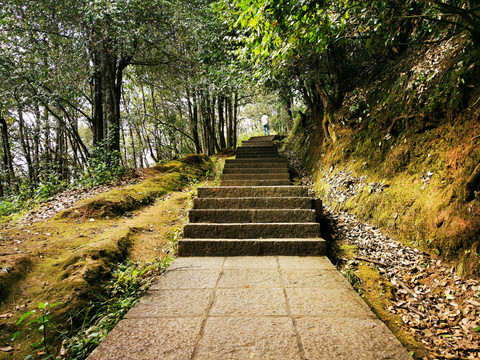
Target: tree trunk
24,140
235,115
97,118
328,121
289,106
221,122
193,118
231,130
7,157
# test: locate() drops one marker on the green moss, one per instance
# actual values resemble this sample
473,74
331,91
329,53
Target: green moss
171,176
378,293
15,270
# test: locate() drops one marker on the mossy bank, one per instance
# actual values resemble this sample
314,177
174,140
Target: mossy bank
406,152
68,258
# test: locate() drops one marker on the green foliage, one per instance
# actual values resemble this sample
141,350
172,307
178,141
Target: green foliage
40,324
352,278
129,281
103,166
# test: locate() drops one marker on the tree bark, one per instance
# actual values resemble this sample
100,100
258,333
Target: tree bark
193,119
24,140
221,122
235,120
7,157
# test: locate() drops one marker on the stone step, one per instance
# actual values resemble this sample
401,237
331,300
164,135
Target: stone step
261,176
262,138
257,148
251,247
246,151
271,182
255,203
255,156
251,216
251,230
266,192
268,161
249,170
257,143
259,165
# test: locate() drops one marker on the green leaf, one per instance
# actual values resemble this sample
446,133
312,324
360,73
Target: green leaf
16,334
41,305
477,329
37,344
24,316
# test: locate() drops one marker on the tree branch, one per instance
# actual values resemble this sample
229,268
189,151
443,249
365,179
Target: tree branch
170,125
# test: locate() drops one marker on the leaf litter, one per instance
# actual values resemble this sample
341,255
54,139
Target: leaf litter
440,309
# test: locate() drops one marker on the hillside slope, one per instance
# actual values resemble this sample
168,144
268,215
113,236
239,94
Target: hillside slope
407,152
70,257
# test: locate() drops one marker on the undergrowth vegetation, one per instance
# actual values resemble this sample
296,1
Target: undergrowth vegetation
408,152
71,258
103,167
129,282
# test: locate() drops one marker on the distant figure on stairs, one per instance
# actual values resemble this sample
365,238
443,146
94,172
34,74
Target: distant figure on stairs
266,124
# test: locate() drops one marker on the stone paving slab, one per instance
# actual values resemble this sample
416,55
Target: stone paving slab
150,338
272,307
262,338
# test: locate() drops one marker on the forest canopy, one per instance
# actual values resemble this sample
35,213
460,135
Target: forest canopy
90,88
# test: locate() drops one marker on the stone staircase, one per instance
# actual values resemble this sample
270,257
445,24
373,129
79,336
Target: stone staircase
216,303
255,211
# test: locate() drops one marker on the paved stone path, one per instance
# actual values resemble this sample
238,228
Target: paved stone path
215,303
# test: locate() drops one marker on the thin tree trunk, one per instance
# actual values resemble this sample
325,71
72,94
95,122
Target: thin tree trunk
26,148
97,117
235,116
7,157
221,122
192,116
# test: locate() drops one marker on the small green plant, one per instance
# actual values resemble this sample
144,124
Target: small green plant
129,281
104,166
352,278
40,324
